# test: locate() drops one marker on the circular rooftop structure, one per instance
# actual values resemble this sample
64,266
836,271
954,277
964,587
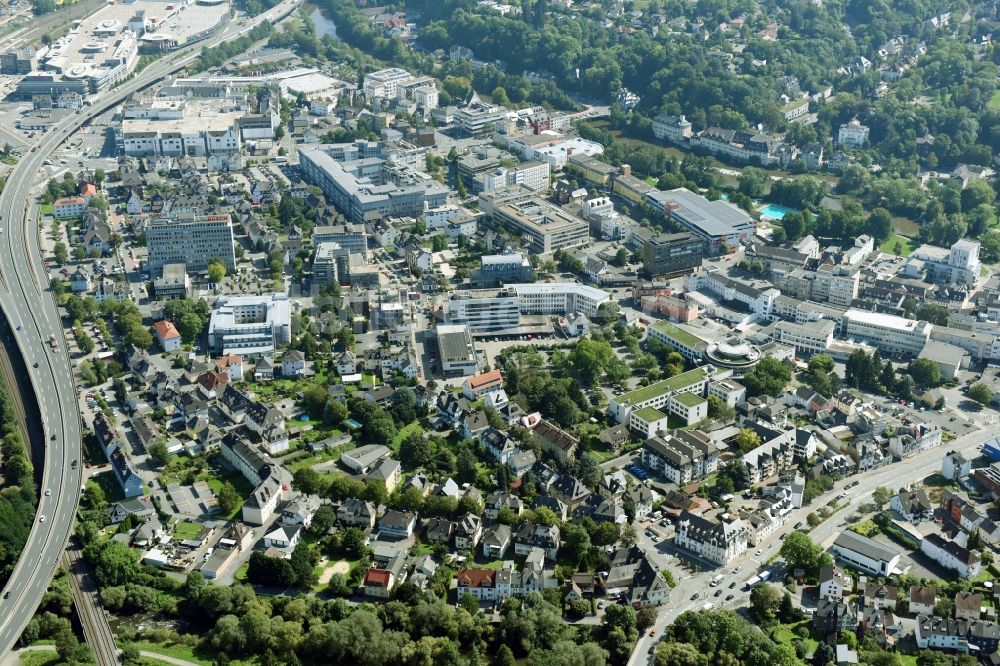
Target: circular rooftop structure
93,47
733,354
77,71
211,2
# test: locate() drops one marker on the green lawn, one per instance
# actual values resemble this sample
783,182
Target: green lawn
186,530
241,574
179,651
786,634
109,484
906,245
403,433
39,658
242,486
46,209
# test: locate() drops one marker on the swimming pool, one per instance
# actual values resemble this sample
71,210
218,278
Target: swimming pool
774,212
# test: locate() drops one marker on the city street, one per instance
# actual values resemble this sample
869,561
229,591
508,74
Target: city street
898,474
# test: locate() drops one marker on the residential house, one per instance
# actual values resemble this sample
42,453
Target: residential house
496,540
530,535
356,513
719,542
951,555
397,524
968,606
559,442
834,583
911,505
922,599
167,335
880,595
468,532
293,364
833,616
285,537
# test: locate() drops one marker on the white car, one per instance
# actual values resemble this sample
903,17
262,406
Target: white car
48,492
42,519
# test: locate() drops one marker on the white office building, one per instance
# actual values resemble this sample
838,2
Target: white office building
889,333
560,298
250,325
192,240
485,310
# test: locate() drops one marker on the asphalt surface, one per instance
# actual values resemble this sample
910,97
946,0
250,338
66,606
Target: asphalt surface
32,314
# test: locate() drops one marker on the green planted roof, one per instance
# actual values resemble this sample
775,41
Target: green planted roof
680,335
649,414
689,399
676,383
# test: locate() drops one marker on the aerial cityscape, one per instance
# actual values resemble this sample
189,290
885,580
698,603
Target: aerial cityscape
496,333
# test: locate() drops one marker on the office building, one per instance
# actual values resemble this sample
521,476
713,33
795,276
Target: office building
718,223
19,61
371,188
560,298
476,118
456,351
660,394
485,310
330,262
684,342
192,240
542,227
351,237
809,337
889,333
250,325
532,175
958,265
671,254
174,283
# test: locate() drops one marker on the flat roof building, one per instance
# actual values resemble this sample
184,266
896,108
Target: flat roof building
370,188
250,325
672,254
715,222
889,333
543,227
457,353
192,240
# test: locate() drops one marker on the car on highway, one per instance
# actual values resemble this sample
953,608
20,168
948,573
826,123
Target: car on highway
35,364
42,519
48,492
73,464
6,595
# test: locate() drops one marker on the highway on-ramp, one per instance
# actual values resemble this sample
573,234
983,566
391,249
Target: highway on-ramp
33,317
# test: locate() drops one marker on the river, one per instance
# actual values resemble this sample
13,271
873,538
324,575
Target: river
324,26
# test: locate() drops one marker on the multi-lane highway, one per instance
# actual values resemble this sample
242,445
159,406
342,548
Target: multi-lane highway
32,314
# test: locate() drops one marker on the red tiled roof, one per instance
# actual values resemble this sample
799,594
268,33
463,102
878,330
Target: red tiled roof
166,330
485,379
476,577
377,578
